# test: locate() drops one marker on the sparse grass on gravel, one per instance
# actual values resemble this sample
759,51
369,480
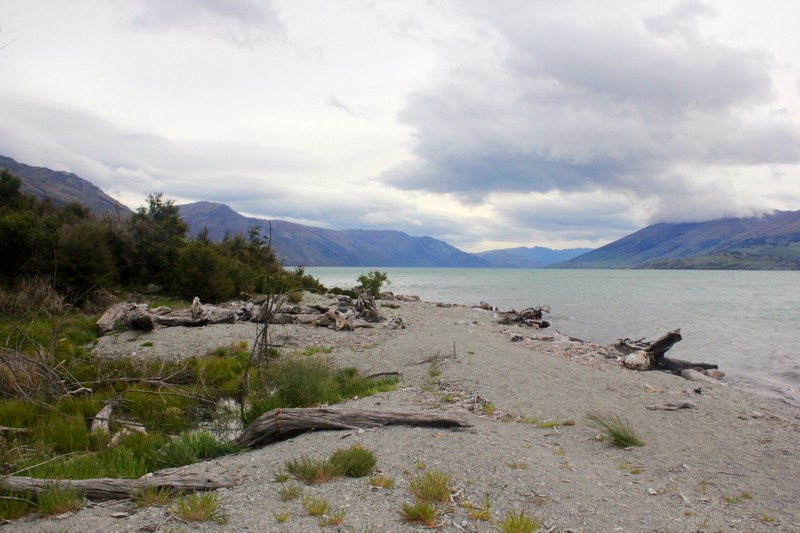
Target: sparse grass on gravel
419,512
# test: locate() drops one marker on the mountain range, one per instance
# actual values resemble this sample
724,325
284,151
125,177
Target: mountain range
62,188
769,241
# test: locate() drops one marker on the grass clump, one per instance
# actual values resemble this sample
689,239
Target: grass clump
188,448
290,492
515,522
382,482
313,471
618,432
57,499
482,512
316,506
419,512
153,497
313,350
355,461
309,381
738,498
432,486
199,507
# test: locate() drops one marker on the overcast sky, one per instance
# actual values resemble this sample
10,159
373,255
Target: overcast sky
488,124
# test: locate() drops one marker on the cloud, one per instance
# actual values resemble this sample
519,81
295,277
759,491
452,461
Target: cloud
243,23
575,99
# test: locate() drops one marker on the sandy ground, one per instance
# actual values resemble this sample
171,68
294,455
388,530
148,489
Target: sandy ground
731,464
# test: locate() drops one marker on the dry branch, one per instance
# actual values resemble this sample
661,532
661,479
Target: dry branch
280,424
117,489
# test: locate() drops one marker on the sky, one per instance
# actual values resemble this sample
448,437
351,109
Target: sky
484,123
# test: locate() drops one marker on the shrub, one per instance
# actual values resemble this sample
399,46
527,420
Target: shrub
372,282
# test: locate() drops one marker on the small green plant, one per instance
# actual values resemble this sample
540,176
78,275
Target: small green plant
316,506
419,464
57,499
198,507
153,497
281,477
382,482
517,465
313,350
618,432
767,519
432,486
147,344
336,518
290,492
313,471
488,408
738,499
355,461
515,522
372,282
281,518
419,512
483,512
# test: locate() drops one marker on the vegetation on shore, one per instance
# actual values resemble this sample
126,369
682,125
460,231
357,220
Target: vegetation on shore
62,266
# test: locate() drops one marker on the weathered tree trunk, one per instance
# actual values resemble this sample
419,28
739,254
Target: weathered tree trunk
117,489
651,355
138,316
280,424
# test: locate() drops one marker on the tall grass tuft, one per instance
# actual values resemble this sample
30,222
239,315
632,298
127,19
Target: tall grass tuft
58,499
432,486
313,471
419,512
355,461
188,448
519,523
618,432
198,507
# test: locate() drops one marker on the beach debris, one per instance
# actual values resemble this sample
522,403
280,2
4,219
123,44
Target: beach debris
281,424
531,317
696,375
673,406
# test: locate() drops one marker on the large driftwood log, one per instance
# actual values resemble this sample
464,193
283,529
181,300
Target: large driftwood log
118,489
280,424
139,316
644,355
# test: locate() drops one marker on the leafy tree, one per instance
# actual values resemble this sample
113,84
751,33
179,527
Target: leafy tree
156,236
372,282
9,187
203,270
84,259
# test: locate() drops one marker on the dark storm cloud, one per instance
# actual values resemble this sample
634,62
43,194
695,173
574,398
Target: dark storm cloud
571,101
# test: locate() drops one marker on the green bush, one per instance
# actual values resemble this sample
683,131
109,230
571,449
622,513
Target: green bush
372,282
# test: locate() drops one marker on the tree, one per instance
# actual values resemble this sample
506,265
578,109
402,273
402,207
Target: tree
372,282
9,188
157,234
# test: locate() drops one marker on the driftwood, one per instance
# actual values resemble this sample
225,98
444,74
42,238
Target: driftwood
644,355
533,317
118,489
280,424
140,316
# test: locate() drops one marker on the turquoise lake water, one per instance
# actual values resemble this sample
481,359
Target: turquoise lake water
748,322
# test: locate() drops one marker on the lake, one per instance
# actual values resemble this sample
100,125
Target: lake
747,322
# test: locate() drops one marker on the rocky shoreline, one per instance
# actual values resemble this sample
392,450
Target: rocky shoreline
731,463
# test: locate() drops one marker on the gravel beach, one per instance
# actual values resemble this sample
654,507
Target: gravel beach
730,464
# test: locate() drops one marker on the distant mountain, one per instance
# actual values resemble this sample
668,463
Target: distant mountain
536,257
311,246
62,188
770,241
